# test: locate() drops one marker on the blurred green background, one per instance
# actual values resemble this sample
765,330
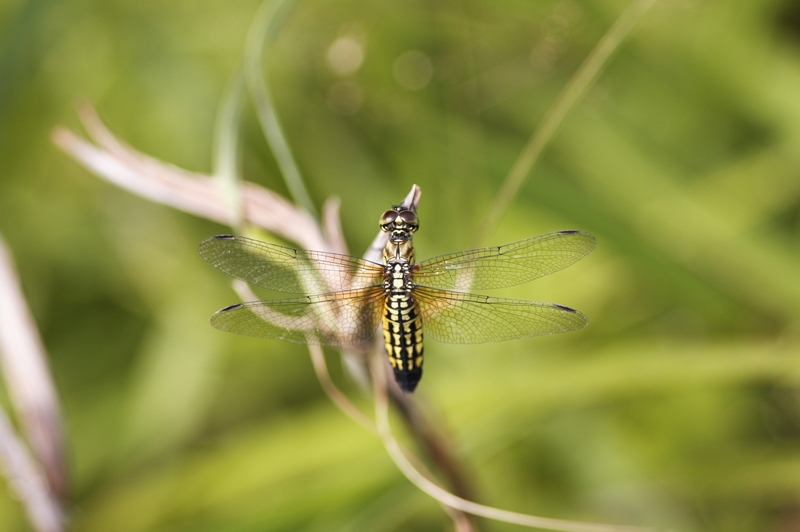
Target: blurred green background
679,405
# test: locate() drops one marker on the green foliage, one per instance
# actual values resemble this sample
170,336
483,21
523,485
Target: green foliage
679,405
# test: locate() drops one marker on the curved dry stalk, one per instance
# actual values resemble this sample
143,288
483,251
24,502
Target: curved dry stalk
574,90
336,396
351,410
27,482
332,226
33,395
191,192
460,520
27,375
395,451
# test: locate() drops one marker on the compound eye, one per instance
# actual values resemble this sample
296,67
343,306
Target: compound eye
387,218
409,218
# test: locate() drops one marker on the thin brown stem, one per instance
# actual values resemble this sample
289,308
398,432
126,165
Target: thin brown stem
334,393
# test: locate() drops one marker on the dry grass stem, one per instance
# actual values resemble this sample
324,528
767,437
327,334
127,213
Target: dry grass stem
332,226
27,374
34,397
336,396
27,482
195,193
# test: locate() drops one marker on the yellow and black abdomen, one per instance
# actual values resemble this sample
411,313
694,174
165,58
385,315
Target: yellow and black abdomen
402,331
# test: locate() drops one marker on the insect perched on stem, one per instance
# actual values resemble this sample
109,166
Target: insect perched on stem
350,296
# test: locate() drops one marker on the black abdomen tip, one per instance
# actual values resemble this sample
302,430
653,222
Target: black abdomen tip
407,379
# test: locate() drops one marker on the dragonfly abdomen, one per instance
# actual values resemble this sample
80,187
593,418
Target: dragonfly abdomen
402,332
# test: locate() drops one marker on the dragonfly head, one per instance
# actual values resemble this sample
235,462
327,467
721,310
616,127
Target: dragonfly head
400,223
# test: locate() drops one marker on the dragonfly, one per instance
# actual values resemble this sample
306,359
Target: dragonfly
344,299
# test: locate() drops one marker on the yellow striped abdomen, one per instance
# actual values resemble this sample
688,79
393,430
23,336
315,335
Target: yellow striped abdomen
402,331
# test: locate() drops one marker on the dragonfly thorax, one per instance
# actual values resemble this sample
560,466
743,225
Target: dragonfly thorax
398,277
402,251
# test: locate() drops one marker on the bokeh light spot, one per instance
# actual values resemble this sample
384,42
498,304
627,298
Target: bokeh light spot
345,56
413,70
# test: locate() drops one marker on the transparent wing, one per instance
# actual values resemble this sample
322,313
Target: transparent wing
460,318
287,269
339,318
502,266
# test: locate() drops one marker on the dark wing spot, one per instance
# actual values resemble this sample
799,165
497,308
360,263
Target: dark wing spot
239,305
568,232
225,237
562,307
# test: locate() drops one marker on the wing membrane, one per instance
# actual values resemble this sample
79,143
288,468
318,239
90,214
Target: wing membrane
460,318
287,269
339,318
502,266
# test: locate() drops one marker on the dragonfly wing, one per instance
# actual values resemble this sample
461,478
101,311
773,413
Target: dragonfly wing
502,266
339,318
460,318
287,269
